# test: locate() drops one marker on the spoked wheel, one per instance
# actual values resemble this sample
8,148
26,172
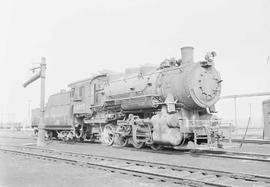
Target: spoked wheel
108,135
48,134
156,147
79,133
35,131
121,141
137,145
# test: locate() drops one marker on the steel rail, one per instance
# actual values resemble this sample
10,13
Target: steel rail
239,155
143,164
252,141
209,153
14,137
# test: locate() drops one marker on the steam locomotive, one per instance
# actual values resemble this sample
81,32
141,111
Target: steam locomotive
168,105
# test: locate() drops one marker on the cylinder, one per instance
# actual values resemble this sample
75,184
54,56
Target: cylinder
187,54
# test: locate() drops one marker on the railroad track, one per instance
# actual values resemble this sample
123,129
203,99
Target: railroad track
195,152
238,155
208,153
23,138
163,173
253,141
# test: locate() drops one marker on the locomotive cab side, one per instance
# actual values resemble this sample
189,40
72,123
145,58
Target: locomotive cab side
87,98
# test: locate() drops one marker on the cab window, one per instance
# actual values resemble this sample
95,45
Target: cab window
81,90
72,92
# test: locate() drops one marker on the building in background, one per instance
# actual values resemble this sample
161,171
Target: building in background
266,117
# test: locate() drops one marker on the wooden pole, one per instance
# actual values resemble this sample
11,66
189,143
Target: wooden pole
249,119
235,113
41,75
41,131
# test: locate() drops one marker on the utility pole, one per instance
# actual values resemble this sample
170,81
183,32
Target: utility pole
249,121
235,113
29,113
41,132
41,75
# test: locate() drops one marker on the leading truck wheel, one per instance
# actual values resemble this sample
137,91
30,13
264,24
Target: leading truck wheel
134,140
108,135
137,145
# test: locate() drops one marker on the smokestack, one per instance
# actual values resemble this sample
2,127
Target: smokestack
187,54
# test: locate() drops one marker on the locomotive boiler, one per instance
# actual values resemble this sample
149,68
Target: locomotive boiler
168,105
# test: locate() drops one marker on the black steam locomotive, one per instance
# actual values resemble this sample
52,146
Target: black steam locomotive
168,105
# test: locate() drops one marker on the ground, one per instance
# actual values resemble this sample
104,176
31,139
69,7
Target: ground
20,171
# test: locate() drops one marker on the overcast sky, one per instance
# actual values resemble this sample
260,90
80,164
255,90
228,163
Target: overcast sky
79,38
